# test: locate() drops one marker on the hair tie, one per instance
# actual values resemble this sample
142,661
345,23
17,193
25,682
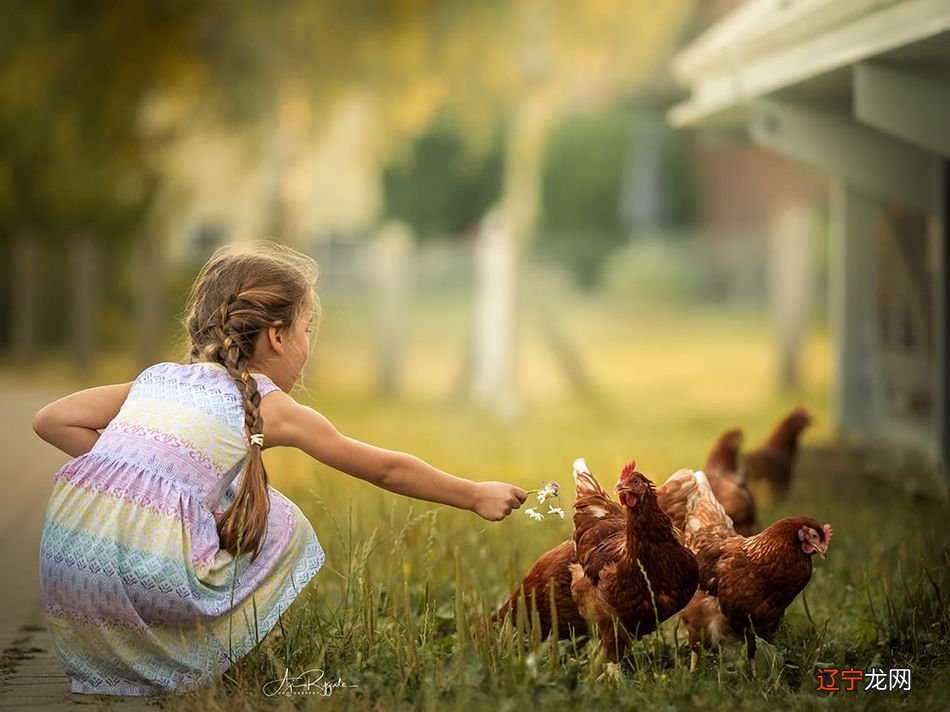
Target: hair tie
257,439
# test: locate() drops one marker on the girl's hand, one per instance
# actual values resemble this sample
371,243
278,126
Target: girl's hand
495,500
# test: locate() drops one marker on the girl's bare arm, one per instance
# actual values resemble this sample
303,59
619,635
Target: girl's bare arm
288,423
73,423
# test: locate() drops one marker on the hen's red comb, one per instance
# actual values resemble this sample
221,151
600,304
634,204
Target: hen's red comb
628,469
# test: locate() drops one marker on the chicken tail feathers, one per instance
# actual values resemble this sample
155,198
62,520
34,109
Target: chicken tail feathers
703,510
584,480
672,496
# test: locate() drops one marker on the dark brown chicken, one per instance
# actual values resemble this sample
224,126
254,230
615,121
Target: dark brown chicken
551,569
630,580
768,469
745,584
602,530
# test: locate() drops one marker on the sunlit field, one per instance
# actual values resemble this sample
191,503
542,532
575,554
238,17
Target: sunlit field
400,609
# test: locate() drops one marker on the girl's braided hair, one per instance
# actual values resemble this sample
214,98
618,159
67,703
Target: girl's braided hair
238,293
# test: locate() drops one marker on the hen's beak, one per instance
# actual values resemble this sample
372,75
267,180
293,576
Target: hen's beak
822,551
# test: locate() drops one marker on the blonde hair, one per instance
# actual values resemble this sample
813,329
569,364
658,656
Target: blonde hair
238,293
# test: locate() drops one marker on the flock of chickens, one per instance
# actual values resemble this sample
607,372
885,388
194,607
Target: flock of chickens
693,546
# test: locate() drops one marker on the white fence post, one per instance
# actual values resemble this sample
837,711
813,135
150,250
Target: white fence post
493,376
392,249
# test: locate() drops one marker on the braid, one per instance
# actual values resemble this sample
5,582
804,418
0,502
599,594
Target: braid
252,497
235,360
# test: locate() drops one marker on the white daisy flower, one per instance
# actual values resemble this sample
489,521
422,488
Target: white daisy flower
549,490
556,510
535,515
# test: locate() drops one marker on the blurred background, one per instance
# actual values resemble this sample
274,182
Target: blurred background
511,204
546,229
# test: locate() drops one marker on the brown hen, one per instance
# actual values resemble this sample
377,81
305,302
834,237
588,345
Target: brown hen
745,584
768,469
626,581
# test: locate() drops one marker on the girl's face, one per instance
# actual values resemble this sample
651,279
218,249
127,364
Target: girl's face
282,352
298,345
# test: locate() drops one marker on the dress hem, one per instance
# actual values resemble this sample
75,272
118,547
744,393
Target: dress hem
132,690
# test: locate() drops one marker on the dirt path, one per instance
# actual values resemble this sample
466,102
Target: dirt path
30,674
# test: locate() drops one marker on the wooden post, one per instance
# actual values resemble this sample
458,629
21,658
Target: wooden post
493,377
391,250
24,268
83,254
855,394
791,246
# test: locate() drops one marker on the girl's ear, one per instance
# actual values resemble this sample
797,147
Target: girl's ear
275,337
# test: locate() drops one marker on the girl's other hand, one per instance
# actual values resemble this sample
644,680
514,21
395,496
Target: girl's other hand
495,500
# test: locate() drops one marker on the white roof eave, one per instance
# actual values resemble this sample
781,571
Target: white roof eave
767,45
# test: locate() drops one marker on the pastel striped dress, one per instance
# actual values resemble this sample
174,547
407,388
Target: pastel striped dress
138,597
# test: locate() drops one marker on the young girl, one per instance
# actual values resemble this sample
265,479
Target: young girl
165,554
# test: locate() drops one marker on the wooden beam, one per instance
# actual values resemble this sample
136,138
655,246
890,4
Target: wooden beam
904,104
864,158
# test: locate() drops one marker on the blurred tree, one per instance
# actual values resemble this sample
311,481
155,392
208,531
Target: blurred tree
494,67
72,79
90,91
608,175
519,66
444,188
507,67
581,186
679,181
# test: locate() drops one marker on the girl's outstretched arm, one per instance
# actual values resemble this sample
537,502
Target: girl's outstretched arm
288,423
73,423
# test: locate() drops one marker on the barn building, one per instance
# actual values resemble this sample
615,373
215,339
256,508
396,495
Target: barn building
859,90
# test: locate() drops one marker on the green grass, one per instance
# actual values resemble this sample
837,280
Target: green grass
400,607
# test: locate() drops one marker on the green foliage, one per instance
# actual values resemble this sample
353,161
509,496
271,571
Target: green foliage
443,188
594,166
72,81
679,183
581,182
401,613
